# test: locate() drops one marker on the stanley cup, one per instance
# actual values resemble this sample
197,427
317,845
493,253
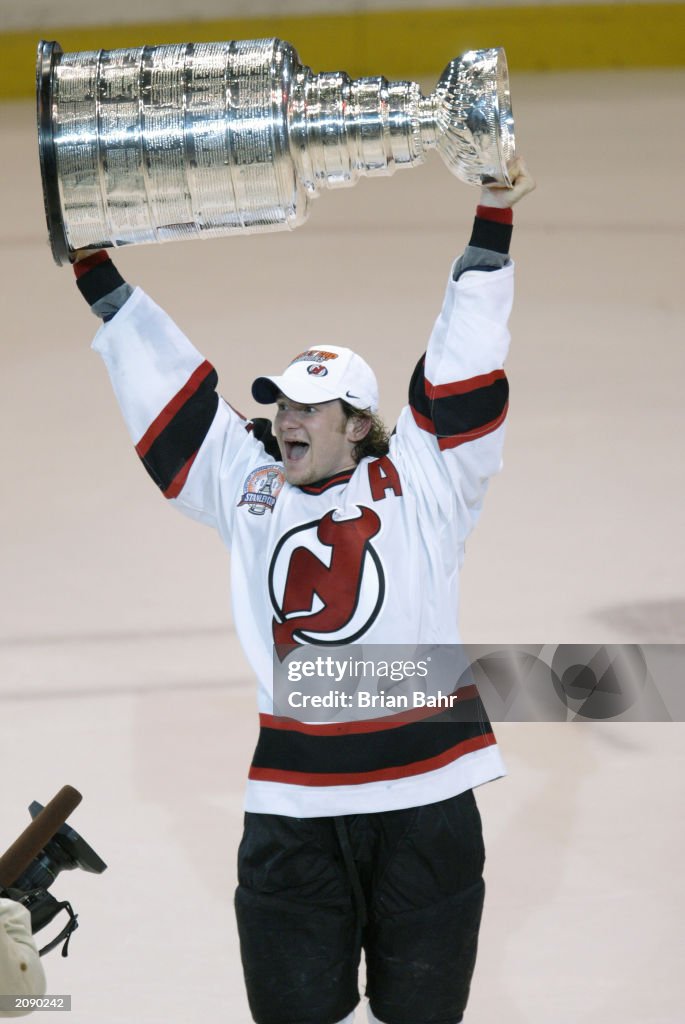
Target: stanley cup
198,140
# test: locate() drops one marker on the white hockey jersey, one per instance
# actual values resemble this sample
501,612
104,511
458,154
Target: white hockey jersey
371,555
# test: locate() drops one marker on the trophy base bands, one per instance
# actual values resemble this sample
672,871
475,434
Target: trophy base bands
28,1003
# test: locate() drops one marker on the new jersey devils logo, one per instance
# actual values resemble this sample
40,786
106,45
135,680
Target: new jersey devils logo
326,580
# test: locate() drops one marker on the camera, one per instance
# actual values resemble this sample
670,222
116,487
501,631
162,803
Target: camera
64,851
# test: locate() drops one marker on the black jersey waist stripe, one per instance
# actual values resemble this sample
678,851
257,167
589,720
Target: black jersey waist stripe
363,752
405,771
181,438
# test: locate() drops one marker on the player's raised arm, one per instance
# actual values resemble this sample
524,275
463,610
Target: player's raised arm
184,433
450,436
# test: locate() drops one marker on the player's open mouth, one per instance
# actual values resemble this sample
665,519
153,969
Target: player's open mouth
295,450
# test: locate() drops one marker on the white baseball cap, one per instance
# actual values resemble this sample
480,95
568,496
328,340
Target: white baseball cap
321,375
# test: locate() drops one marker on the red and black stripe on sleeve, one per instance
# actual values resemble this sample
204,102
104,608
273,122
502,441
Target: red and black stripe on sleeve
467,409
169,446
459,412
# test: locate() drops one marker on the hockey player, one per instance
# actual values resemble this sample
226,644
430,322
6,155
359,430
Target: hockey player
368,835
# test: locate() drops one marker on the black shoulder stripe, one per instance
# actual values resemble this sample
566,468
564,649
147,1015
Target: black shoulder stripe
418,399
261,429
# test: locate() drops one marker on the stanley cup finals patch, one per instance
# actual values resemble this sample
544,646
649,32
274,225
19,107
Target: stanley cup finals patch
261,489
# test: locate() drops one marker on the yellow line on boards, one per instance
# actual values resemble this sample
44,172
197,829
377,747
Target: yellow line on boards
401,44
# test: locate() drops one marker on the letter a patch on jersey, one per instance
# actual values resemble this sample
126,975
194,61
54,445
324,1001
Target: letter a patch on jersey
326,581
383,477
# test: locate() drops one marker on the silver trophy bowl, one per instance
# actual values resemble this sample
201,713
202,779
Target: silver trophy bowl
163,143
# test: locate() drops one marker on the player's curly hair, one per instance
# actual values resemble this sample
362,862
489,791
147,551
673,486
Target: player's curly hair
376,442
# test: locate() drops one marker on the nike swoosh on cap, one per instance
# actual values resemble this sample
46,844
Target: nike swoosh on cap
348,394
